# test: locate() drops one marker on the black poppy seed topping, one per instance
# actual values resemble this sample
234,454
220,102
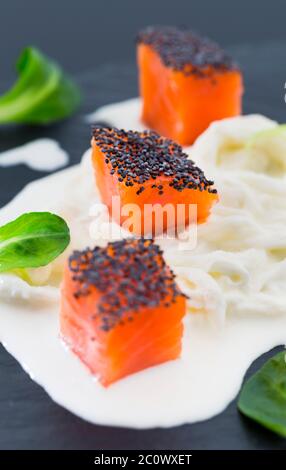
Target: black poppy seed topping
129,274
184,50
137,157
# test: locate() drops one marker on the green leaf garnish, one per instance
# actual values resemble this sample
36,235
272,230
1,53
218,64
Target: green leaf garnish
43,93
267,135
263,397
268,150
32,240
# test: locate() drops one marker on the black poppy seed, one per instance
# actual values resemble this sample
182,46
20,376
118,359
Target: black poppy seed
142,156
105,328
139,274
184,50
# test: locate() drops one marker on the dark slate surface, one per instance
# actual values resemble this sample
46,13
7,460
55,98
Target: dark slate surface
28,417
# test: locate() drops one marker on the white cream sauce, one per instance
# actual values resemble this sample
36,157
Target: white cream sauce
124,115
40,155
236,277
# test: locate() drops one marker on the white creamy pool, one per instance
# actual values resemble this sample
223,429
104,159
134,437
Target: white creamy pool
236,277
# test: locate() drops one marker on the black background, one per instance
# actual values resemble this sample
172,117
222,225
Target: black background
82,34
94,40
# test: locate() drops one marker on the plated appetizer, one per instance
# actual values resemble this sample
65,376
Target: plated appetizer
145,169
186,82
144,323
234,278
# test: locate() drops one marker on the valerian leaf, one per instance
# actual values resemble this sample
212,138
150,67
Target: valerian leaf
263,397
43,93
32,240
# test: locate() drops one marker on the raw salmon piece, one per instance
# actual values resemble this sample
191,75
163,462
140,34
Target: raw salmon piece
121,310
186,82
144,168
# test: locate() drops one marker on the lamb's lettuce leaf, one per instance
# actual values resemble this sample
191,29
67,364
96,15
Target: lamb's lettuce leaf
263,397
32,240
43,93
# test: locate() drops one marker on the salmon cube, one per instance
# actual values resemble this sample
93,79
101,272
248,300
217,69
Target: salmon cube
185,82
148,171
121,310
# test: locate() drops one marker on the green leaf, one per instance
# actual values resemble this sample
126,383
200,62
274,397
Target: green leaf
263,397
268,150
42,94
267,135
32,240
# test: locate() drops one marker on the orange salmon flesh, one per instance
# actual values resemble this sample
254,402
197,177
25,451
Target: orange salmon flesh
169,178
182,105
114,345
